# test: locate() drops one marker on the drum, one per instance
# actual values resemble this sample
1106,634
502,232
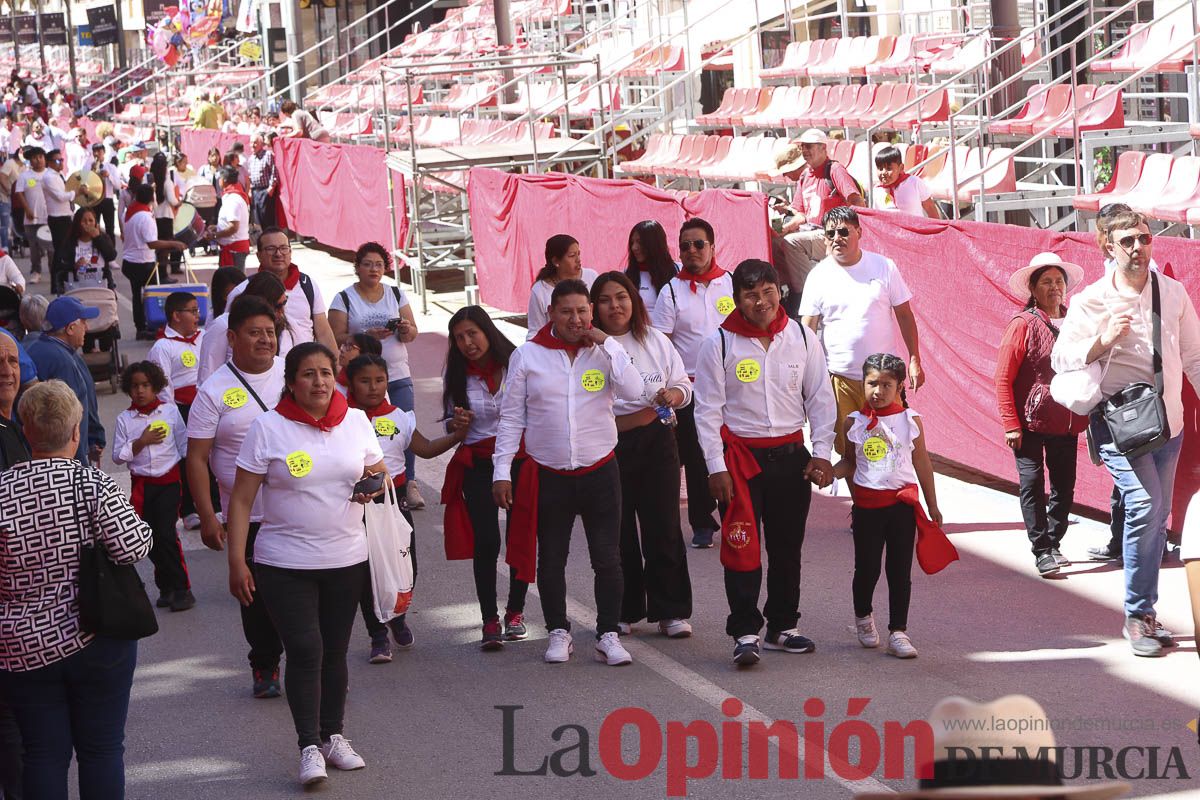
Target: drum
44,235
188,225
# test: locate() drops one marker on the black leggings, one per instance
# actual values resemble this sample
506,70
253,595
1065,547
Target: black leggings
313,611
160,510
893,527
173,258
485,519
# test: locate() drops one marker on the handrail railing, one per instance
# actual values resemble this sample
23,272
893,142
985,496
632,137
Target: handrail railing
122,75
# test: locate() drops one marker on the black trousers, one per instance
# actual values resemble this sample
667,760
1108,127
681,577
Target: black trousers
654,565
700,501
262,208
485,519
265,647
313,610
106,213
596,497
1046,521
367,603
780,495
895,528
160,510
59,228
11,753
166,258
138,275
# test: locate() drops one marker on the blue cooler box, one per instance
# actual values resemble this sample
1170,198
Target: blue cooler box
154,299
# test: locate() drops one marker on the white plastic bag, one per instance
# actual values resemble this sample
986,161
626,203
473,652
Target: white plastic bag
389,537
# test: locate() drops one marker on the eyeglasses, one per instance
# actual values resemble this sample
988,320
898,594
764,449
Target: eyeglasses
373,265
693,244
190,311
837,233
277,249
1143,239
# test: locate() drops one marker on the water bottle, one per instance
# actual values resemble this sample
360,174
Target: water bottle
666,415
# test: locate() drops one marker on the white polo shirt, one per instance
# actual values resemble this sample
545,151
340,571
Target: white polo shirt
58,199
137,233
299,314
539,301
156,459
660,366
691,317
233,209
180,362
763,393
394,431
309,521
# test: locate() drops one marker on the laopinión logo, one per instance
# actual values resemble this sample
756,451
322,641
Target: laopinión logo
737,750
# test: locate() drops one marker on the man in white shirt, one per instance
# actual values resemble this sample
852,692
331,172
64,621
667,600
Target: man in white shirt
110,179
29,197
559,395
689,309
855,294
232,231
137,257
58,199
40,136
226,404
759,379
1112,321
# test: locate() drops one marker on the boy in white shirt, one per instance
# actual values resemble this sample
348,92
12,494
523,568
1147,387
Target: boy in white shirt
896,190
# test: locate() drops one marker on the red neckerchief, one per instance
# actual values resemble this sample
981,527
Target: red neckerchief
288,409
737,323
548,340
135,208
712,274
873,414
3,252
146,409
292,278
891,188
486,374
236,188
380,410
177,338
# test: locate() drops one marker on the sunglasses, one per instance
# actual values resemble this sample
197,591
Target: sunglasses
837,233
1143,239
693,244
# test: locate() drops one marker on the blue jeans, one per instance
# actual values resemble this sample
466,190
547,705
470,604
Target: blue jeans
1146,485
402,396
5,224
79,704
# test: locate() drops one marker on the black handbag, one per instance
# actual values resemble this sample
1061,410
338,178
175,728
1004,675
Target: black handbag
112,597
1137,416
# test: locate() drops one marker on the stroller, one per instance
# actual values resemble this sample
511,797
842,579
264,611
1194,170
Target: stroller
101,346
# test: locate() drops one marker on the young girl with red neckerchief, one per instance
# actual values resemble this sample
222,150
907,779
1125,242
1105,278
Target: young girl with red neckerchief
885,459
396,431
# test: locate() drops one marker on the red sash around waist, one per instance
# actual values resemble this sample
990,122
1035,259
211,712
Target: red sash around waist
740,551
138,483
185,395
934,549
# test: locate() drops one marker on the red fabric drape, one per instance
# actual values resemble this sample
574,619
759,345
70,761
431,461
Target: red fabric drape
197,143
512,216
958,273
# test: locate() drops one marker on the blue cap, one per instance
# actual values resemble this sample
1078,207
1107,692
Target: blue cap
63,311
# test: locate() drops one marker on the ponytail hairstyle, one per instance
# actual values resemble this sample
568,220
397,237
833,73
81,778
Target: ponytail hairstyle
500,349
888,364
556,247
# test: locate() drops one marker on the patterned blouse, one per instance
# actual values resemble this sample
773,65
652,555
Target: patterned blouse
49,508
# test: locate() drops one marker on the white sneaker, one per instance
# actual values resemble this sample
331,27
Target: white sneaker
675,628
312,766
340,755
192,522
560,648
415,501
900,646
610,651
624,628
865,628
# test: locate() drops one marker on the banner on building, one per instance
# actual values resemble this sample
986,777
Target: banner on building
103,22
154,10
54,28
26,28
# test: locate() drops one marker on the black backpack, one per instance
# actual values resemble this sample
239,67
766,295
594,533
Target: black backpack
833,190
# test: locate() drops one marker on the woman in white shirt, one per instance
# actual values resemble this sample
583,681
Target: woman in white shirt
311,550
649,263
475,368
382,311
167,198
657,585
563,261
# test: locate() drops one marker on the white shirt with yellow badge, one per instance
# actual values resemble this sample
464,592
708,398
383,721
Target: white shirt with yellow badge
394,431
179,360
883,454
156,459
309,521
691,317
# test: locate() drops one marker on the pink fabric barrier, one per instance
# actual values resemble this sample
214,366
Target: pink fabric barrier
512,216
958,273
197,143
337,193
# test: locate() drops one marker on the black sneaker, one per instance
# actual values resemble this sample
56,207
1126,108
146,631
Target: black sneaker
789,641
401,633
493,635
266,684
514,626
1104,554
1059,558
182,600
746,652
164,600
702,538
1046,565
1140,633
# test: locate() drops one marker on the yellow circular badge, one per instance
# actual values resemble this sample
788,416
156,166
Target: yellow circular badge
747,370
235,397
385,427
725,305
188,358
30,183
875,449
592,380
161,425
299,463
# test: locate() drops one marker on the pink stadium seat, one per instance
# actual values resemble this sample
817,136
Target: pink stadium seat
717,155
1181,194
756,102
659,146
794,57
862,101
839,100
968,54
1058,100
1035,104
877,51
1156,175
883,98
817,56
815,110
933,107
836,61
1125,175
728,101
1131,51
795,105
1107,111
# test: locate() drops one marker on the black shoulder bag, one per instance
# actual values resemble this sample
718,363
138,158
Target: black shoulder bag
112,597
1136,415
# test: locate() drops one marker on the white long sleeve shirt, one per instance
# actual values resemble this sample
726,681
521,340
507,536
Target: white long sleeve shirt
660,366
155,459
58,199
691,317
486,407
564,408
761,392
179,362
1131,356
